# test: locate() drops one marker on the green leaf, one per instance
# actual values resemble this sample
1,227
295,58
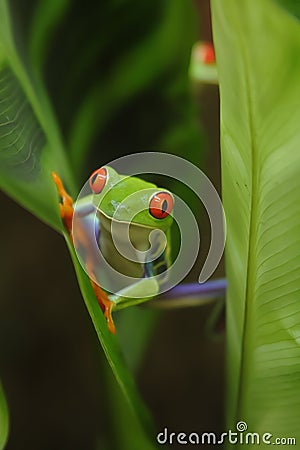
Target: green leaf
257,48
112,350
4,419
132,322
30,145
125,422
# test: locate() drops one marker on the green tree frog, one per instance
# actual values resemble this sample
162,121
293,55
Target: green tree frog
116,198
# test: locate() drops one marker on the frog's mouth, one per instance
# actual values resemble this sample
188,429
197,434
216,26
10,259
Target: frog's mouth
105,217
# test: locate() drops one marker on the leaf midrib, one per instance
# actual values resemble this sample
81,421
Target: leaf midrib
252,227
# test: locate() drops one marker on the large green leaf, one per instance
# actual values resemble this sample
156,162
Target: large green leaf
257,47
4,420
30,145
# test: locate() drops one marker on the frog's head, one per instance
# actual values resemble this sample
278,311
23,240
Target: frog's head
130,199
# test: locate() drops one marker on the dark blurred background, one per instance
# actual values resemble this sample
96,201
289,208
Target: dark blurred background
52,368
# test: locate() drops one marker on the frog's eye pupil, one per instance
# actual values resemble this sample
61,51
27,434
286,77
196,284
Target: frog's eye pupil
93,179
98,180
161,205
164,206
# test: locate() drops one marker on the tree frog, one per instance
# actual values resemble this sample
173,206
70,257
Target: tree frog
116,198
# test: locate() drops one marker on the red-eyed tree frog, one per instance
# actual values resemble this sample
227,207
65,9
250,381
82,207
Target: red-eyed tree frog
108,191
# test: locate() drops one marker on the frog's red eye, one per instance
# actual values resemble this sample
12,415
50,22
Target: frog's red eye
161,205
98,180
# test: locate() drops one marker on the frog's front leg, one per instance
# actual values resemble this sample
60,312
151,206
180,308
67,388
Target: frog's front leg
66,206
139,292
82,238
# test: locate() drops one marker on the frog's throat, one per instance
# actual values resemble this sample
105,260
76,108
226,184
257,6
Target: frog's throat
132,263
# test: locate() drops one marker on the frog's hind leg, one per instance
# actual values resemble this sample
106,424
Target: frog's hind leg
104,302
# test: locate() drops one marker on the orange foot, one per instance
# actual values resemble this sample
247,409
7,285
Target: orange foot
66,206
67,213
105,304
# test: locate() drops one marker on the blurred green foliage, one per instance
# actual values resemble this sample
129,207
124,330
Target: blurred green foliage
100,80
116,73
